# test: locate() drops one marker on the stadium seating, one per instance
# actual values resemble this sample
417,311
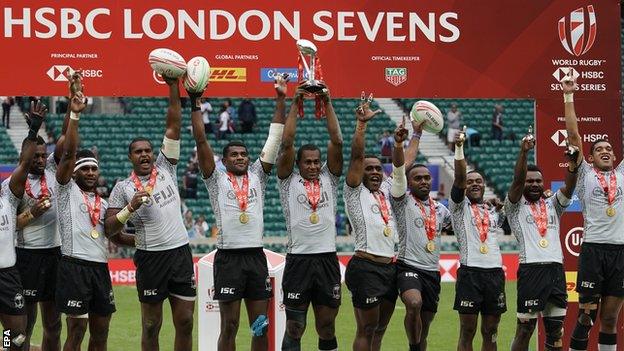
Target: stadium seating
494,158
111,134
8,153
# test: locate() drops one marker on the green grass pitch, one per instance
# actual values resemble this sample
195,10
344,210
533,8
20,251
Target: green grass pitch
125,329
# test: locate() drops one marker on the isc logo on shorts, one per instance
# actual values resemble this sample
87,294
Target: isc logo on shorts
371,299
294,296
531,303
411,275
74,303
229,291
30,292
589,285
151,292
465,303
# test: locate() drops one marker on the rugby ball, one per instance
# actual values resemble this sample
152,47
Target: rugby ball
197,74
428,112
167,62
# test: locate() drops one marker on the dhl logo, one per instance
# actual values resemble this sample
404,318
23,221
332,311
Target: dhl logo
228,74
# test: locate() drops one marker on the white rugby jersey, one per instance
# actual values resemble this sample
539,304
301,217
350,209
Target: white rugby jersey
8,218
305,237
412,232
468,238
365,218
41,232
158,223
524,228
75,226
232,233
598,227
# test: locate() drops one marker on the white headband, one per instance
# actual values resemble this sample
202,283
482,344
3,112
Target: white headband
84,162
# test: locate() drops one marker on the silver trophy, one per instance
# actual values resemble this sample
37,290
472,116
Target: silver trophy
311,85
530,136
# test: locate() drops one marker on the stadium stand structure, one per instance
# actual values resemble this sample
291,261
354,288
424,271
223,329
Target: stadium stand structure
494,158
8,153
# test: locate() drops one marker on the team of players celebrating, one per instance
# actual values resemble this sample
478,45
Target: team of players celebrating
53,227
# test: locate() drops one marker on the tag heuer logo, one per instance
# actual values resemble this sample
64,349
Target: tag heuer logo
396,76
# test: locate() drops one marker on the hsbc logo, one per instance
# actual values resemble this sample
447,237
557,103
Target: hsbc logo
59,73
562,72
560,137
577,36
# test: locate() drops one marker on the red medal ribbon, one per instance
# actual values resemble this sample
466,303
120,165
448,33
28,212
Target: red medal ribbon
430,221
313,190
611,189
483,223
541,216
151,183
383,207
241,193
94,211
45,192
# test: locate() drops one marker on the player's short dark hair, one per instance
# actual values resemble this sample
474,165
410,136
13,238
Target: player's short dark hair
414,166
372,156
593,145
84,153
233,143
477,172
136,140
40,141
533,168
306,147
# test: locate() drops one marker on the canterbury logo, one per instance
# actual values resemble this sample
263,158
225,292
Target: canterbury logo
577,38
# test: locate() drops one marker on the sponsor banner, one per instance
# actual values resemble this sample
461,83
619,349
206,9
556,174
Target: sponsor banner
397,48
6,171
267,75
228,74
571,286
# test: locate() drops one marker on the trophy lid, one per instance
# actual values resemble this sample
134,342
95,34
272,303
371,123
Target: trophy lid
306,46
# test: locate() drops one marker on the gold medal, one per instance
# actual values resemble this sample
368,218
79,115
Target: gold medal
484,248
243,218
387,231
314,218
610,211
543,243
95,234
430,246
149,190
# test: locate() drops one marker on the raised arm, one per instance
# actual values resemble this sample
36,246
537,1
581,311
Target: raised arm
460,167
68,160
334,147
520,170
574,138
286,159
399,179
171,142
205,155
356,165
412,148
75,85
18,178
269,153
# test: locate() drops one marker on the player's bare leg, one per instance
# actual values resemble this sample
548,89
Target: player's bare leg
230,317
31,320
386,308
151,321
367,321
51,323
426,318
609,312
524,331
467,331
295,326
76,329
255,308
182,311
98,332
412,322
325,321
17,324
489,330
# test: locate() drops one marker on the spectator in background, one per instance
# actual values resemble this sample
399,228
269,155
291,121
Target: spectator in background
190,181
202,229
232,111
247,115
189,224
206,108
96,152
102,188
497,122
386,142
7,102
224,122
453,121
340,223
50,144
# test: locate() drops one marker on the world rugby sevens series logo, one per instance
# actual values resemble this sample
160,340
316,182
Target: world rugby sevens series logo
577,37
